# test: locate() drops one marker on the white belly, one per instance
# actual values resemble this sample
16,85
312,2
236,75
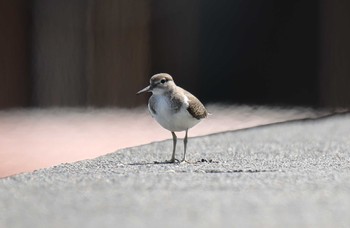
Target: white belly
172,120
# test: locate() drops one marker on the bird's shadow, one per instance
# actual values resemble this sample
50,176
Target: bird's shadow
205,170
177,162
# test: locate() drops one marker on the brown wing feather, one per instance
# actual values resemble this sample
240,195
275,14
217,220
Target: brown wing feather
195,108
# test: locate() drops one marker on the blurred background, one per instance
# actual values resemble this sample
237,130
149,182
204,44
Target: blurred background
100,52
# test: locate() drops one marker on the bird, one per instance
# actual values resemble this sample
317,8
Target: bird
174,108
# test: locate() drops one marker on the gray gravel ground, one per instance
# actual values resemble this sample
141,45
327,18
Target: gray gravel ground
294,174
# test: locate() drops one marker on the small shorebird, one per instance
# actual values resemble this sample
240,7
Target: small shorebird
174,108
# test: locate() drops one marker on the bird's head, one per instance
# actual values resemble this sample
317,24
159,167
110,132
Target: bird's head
159,84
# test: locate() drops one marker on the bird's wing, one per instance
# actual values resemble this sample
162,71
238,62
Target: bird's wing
195,107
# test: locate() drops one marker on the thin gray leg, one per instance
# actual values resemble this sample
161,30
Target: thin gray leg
172,160
185,146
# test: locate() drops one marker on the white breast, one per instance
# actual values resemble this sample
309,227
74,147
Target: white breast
170,119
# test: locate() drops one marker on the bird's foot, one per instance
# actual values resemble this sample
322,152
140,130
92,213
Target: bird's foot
184,161
173,160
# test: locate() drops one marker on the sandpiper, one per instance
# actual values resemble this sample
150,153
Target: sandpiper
174,108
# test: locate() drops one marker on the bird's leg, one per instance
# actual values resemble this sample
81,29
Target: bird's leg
185,147
172,160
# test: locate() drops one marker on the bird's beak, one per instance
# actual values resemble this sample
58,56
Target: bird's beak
147,89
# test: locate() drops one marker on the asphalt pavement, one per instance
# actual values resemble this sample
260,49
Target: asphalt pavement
293,174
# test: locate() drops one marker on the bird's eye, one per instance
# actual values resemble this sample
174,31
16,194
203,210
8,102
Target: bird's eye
162,81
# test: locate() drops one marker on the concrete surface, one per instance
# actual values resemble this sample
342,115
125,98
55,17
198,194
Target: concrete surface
294,174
